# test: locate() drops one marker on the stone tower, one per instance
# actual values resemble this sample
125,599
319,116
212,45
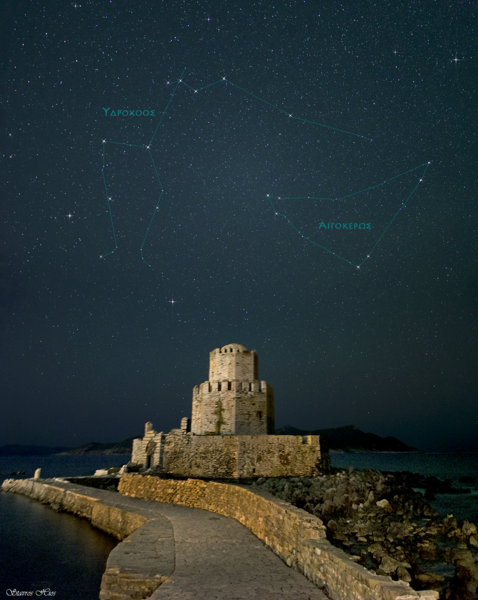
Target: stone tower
233,400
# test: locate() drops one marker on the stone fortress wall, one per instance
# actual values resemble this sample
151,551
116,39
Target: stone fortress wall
231,433
225,456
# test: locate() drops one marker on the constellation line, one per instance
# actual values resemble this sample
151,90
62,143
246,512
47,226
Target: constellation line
224,80
342,198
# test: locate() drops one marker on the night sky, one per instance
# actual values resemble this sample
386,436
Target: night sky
100,234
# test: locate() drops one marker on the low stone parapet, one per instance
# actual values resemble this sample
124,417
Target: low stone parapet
136,567
297,537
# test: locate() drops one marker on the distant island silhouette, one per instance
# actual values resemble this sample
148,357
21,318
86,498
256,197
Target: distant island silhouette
338,439
350,439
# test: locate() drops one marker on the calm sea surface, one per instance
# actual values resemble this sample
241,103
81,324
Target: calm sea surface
42,549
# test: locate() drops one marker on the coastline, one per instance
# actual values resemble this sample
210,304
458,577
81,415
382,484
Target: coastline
307,551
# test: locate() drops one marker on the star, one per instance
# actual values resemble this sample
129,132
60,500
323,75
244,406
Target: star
69,215
455,60
172,302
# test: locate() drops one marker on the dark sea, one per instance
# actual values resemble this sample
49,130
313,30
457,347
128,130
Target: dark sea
41,549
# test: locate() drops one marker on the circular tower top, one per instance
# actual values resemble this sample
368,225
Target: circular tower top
233,362
233,348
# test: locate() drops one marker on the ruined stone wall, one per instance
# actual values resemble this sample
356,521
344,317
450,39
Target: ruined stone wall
278,456
226,456
137,454
200,456
297,537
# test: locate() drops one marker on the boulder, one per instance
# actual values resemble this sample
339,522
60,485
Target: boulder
388,565
457,554
468,528
385,504
430,580
467,572
473,541
403,574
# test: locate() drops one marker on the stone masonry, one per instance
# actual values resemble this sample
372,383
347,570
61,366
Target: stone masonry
231,432
233,400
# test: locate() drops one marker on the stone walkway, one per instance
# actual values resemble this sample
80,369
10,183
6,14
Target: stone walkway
203,554
218,558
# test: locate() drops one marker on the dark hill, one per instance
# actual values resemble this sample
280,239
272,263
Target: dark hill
351,439
97,449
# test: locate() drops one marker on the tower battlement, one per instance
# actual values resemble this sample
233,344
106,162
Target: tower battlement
233,400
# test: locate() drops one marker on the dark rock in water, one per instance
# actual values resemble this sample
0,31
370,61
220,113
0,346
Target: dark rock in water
458,591
430,581
467,573
403,574
468,528
468,480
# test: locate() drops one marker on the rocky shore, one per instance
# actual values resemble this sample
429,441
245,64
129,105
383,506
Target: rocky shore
386,526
